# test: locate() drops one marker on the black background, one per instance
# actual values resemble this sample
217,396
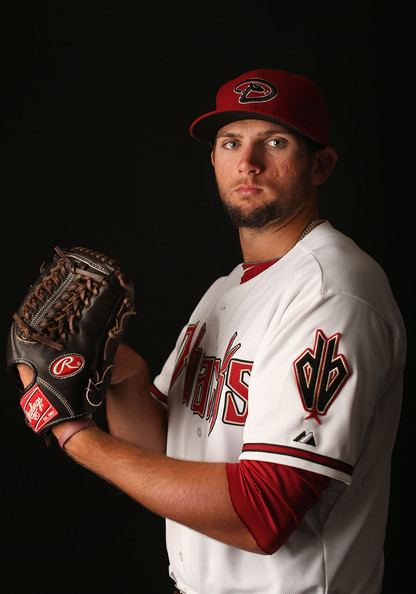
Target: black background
96,105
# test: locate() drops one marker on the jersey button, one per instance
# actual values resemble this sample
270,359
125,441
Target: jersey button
199,432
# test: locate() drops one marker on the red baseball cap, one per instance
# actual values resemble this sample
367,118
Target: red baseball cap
292,100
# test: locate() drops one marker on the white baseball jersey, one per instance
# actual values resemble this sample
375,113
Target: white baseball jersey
301,365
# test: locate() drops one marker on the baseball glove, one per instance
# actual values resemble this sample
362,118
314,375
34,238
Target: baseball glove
67,329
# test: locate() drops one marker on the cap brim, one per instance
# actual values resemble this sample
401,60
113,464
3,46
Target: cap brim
205,127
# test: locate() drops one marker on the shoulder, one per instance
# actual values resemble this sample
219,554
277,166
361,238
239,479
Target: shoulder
336,265
223,283
218,287
343,266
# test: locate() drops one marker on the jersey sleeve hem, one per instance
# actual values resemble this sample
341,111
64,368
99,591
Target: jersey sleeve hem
298,458
232,470
158,395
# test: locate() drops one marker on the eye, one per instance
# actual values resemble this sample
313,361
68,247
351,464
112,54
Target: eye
277,142
229,144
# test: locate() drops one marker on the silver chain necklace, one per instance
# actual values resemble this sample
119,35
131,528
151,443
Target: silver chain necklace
311,226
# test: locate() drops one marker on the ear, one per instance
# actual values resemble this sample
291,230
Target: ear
324,162
213,157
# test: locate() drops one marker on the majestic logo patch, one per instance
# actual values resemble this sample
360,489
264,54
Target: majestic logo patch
37,408
66,366
255,90
321,374
307,438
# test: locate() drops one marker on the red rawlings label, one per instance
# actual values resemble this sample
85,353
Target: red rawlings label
37,408
67,365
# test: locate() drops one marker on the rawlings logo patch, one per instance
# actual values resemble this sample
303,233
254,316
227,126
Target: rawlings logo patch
37,408
321,374
66,366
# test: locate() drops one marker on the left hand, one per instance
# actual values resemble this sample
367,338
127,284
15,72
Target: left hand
26,375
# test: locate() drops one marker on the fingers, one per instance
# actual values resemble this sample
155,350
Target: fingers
26,373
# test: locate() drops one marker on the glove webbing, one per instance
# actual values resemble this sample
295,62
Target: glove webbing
84,285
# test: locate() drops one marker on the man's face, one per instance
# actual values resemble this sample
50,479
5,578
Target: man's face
263,172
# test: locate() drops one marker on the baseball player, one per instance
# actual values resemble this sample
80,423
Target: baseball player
268,440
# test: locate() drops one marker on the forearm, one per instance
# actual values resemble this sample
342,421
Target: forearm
132,414
191,493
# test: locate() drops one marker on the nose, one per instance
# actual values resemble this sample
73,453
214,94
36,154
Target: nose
250,161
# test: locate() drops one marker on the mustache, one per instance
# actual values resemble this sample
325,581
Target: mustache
246,185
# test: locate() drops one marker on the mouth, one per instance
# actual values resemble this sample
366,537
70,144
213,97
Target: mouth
248,190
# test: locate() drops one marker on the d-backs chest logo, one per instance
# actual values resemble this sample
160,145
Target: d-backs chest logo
255,90
208,378
321,373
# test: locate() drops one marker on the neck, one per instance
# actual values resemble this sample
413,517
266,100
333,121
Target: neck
277,238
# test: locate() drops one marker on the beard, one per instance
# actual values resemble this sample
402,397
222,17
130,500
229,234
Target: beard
260,216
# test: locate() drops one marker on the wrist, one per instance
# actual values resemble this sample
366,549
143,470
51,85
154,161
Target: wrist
72,428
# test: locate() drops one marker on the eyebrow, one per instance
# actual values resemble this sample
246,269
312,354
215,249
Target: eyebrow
259,134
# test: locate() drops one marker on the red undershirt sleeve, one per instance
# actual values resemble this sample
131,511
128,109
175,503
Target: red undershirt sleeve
271,499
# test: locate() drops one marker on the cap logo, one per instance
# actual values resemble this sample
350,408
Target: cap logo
255,90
